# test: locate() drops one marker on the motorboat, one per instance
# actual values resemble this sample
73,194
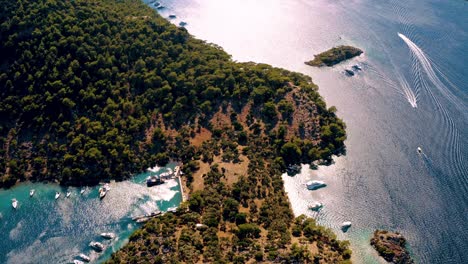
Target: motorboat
345,226
31,192
108,235
172,209
313,185
68,194
159,6
82,191
315,206
172,16
357,68
349,72
96,246
57,195
14,203
419,150
84,257
182,23
76,261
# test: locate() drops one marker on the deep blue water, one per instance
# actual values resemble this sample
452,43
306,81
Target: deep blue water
412,92
45,230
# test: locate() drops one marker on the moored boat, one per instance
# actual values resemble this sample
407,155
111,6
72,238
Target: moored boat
31,192
108,235
172,16
349,72
345,226
182,23
14,203
68,194
315,206
76,261
313,185
57,195
82,191
96,246
84,257
154,180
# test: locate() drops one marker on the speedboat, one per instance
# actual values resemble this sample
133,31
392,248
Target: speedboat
349,72
315,206
75,261
182,23
14,203
313,185
160,7
57,195
345,226
172,16
82,191
31,192
84,257
96,246
419,150
357,68
68,194
107,187
108,235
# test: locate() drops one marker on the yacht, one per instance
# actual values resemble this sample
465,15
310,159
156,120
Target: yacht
84,257
75,261
31,192
315,206
96,246
82,191
68,194
108,235
14,203
345,226
154,180
419,150
57,195
313,185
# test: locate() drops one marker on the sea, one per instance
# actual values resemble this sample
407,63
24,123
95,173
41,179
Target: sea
46,230
412,92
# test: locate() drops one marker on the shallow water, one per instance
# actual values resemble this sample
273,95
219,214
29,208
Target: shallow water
412,92
45,230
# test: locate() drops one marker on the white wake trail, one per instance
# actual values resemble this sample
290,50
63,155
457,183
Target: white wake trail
429,70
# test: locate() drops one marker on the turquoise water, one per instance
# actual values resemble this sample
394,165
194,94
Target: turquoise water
412,92
45,230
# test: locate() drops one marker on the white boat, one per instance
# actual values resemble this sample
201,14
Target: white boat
68,194
345,226
313,185
315,206
75,261
31,192
108,235
84,257
96,246
107,187
14,203
82,191
57,195
419,150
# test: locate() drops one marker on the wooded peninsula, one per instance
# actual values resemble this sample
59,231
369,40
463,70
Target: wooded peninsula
99,90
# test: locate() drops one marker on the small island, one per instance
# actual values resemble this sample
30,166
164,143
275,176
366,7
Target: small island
334,56
391,246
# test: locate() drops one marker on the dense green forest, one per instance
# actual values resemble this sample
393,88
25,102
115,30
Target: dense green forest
98,90
84,83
